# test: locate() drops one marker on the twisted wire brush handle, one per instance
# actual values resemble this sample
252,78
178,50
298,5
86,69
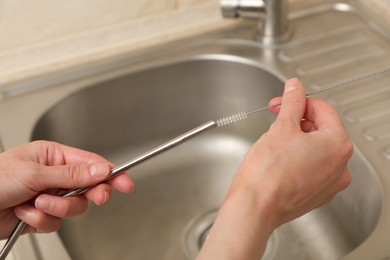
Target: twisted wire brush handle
243,115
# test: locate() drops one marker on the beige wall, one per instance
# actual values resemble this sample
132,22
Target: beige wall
26,22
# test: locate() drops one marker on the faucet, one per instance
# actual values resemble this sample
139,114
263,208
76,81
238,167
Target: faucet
273,29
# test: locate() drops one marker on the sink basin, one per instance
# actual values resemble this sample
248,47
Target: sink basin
178,193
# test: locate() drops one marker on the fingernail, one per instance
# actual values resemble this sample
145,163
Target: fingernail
43,202
103,200
290,85
21,211
289,88
99,170
106,197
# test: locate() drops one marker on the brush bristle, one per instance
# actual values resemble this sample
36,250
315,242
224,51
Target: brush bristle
231,119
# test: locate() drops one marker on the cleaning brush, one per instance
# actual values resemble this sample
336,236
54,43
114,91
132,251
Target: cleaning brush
243,115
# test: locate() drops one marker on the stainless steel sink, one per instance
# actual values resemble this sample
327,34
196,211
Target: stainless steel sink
125,106
175,193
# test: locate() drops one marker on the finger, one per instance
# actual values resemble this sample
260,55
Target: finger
63,154
275,109
42,222
61,207
68,176
307,126
294,102
52,154
100,194
122,183
323,115
76,175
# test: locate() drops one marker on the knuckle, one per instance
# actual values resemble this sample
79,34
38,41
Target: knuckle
343,149
48,224
346,180
72,173
63,212
84,206
284,125
323,104
33,173
75,206
56,225
346,148
41,222
39,143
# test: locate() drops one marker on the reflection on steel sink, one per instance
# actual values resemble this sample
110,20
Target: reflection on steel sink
130,114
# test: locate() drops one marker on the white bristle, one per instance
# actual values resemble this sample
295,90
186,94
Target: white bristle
231,119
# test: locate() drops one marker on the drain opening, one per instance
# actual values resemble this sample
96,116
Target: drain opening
198,230
203,236
196,233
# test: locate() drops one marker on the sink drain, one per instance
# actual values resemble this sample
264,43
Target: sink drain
197,232
199,228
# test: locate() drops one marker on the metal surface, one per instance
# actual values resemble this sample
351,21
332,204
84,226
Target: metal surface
273,27
176,186
179,140
163,92
237,8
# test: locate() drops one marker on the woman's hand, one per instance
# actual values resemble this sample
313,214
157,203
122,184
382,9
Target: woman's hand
32,175
297,166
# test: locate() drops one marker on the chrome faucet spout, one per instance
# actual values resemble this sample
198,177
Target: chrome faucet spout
275,27
273,15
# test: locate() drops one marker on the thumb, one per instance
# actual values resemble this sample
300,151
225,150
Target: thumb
293,102
73,175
